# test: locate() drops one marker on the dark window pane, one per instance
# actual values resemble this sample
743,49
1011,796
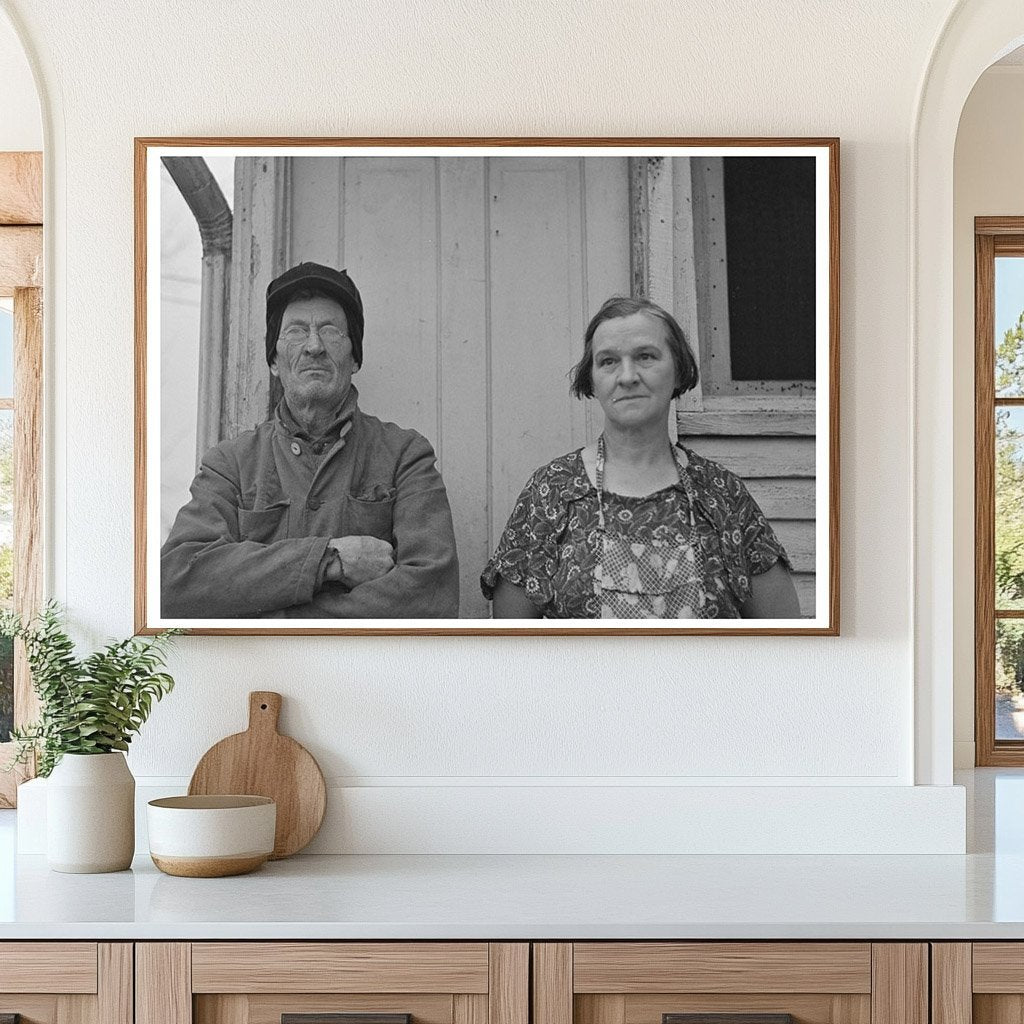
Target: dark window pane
1009,679
1009,327
769,231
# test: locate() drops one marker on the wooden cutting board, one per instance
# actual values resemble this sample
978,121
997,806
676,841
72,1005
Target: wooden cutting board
262,762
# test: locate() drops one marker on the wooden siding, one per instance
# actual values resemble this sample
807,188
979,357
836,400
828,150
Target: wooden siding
478,277
774,453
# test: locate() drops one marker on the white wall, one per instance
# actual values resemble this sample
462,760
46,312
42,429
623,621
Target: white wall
987,182
21,127
383,713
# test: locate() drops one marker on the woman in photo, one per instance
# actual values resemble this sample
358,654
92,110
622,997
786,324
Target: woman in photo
632,526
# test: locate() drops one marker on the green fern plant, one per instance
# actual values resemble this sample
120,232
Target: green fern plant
88,705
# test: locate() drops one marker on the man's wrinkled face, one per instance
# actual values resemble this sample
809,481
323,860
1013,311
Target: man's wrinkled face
313,358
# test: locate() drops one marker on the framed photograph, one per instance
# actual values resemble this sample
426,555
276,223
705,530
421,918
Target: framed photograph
487,386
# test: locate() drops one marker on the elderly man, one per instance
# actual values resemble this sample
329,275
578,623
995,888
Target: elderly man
322,512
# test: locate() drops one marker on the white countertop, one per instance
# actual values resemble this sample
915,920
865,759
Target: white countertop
517,897
976,896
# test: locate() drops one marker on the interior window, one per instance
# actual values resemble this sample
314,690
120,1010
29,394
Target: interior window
769,232
999,490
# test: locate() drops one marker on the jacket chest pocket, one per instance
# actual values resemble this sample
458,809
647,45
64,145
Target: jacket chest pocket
264,525
366,517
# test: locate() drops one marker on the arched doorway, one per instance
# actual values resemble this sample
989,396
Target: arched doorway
976,34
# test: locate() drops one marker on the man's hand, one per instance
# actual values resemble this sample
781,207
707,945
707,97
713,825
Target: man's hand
362,559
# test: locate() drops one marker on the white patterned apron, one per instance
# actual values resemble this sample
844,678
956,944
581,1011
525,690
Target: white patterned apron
655,579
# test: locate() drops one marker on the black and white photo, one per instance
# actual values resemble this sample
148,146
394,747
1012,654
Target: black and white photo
478,386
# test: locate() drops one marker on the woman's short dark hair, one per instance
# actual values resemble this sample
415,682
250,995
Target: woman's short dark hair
582,375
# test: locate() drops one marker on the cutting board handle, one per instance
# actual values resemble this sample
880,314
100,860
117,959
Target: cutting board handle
264,710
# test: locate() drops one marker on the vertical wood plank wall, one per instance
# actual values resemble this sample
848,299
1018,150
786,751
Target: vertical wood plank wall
478,278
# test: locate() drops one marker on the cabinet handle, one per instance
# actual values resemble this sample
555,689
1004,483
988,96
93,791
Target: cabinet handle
727,1018
336,1018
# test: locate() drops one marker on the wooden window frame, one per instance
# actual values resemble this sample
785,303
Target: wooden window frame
21,278
993,236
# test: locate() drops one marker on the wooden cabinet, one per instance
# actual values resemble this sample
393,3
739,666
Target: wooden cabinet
512,982
66,982
814,982
978,983
260,982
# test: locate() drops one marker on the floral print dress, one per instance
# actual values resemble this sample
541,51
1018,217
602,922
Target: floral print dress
552,544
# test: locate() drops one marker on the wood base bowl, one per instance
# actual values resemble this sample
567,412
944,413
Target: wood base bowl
211,836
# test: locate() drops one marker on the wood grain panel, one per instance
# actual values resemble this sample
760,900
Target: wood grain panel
755,423
163,983
998,225
984,502
998,967
805,1008
115,1002
604,1009
951,983
798,537
66,967
76,1010
21,188
28,483
750,458
21,258
339,967
229,1009
850,1009
267,1009
721,967
899,983
998,1009
37,1009
509,983
781,498
469,1009
552,983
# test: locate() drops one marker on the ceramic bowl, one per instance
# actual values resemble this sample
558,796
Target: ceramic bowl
211,836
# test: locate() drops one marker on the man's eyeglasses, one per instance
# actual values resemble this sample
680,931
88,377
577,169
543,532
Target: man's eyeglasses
298,335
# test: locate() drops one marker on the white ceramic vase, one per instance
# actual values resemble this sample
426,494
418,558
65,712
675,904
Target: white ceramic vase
90,814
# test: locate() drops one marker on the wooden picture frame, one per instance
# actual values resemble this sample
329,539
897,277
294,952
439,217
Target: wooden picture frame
480,262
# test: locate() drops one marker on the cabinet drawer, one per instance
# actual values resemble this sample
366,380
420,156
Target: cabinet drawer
632,967
65,967
730,983
340,967
332,983
66,982
980,982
